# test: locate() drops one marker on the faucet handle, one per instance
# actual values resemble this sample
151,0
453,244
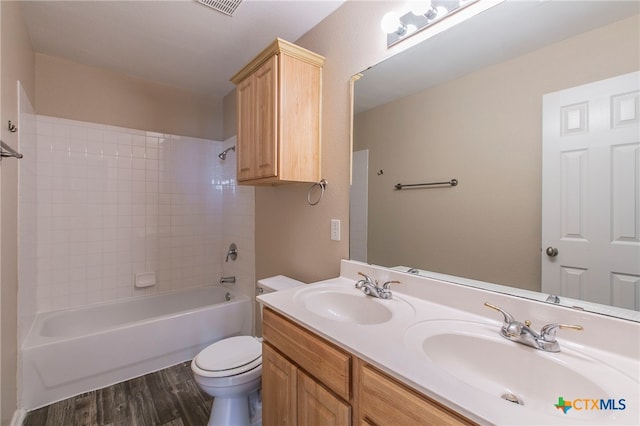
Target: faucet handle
387,284
367,280
508,318
366,277
548,332
232,252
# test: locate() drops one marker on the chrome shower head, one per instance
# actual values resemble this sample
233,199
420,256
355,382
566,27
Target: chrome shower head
223,154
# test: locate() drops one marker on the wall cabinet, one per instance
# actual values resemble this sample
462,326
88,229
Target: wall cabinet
279,96
309,381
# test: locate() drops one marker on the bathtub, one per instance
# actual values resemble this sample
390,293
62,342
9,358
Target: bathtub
77,350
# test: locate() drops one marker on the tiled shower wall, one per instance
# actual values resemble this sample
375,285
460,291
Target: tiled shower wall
113,202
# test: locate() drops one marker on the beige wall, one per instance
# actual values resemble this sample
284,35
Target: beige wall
17,64
80,92
229,119
485,130
292,238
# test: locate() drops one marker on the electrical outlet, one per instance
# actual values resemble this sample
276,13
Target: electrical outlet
335,229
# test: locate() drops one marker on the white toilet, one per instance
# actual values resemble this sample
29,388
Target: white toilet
230,370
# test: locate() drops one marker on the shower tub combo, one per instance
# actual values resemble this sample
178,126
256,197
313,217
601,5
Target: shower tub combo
77,350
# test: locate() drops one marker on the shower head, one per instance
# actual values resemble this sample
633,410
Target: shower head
223,154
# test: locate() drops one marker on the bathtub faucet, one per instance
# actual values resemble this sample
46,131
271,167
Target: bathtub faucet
228,280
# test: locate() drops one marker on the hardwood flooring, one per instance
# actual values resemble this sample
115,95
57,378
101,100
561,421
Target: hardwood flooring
168,397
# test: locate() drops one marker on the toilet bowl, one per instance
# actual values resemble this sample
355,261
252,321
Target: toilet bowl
230,370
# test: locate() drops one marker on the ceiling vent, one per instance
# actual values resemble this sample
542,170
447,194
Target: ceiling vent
223,6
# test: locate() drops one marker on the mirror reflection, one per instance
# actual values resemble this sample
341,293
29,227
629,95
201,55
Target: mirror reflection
467,104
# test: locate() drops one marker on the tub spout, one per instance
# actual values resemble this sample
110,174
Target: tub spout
228,280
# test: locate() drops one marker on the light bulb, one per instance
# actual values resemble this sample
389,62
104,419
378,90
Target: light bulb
391,23
420,8
439,12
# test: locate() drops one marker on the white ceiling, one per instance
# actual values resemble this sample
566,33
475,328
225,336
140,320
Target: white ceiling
180,43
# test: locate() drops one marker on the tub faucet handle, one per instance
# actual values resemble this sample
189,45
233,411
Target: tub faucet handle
232,252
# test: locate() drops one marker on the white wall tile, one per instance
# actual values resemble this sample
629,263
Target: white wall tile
111,202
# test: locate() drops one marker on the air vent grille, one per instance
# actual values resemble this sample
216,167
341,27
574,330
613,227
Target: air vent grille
223,6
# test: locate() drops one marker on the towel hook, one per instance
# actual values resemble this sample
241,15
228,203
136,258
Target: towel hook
323,185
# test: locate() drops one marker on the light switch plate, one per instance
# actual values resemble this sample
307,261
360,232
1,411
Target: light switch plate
335,229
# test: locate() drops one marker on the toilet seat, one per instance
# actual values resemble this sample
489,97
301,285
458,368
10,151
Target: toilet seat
230,357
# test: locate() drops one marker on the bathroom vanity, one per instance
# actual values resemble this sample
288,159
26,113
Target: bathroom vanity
308,380
433,354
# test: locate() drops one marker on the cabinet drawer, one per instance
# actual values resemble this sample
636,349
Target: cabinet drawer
384,401
328,364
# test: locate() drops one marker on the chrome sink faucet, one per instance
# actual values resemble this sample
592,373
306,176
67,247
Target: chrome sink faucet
370,287
523,333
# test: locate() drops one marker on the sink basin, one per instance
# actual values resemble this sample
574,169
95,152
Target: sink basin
349,305
475,354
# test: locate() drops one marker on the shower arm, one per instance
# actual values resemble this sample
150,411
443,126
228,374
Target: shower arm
223,154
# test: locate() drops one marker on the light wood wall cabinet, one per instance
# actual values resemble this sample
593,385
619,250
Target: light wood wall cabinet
309,381
279,96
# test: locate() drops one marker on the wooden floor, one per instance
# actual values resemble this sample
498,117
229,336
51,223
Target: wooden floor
168,397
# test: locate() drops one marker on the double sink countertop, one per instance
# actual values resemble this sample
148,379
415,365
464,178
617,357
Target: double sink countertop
439,338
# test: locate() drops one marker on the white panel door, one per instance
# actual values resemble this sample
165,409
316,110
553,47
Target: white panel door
591,192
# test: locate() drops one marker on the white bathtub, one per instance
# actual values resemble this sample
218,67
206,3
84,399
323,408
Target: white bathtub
74,351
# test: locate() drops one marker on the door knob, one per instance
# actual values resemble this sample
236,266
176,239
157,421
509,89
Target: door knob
552,251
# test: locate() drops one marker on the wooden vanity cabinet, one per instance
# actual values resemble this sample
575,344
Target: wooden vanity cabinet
385,401
307,380
279,389
278,116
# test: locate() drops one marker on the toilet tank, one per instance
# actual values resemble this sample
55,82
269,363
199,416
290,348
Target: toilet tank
269,285
277,283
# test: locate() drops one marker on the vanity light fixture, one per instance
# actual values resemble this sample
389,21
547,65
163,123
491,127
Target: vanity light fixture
421,15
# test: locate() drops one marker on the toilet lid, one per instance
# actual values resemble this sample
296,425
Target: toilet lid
233,355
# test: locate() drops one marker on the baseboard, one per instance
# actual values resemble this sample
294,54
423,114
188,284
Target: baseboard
18,417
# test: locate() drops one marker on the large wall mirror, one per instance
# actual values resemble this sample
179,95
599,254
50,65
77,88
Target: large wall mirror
467,104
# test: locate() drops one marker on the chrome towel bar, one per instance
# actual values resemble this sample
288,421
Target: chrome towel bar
7,151
399,186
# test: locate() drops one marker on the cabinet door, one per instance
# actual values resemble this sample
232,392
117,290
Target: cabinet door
317,406
266,142
257,97
245,144
279,382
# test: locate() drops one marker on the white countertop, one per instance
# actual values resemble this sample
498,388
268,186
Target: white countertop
385,345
